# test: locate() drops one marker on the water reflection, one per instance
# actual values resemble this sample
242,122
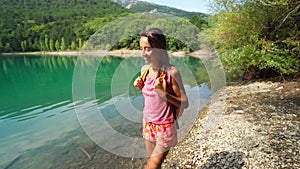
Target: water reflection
37,108
30,81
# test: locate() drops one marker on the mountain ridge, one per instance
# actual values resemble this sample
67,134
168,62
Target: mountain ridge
156,9
61,25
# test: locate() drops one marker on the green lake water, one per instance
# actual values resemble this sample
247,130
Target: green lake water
46,101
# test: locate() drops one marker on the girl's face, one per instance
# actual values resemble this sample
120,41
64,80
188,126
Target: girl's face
147,51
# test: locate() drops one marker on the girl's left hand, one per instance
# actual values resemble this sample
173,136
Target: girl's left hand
138,83
160,87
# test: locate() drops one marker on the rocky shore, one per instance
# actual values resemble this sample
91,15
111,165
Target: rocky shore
254,125
119,53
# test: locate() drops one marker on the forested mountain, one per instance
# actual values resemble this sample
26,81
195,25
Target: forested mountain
58,25
147,7
38,25
180,33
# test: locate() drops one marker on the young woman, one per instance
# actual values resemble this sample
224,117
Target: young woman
164,95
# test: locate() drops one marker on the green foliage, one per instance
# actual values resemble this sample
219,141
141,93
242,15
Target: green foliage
46,42
51,45
131,42
261,35
36,23
199,22
67,25
57,45
23,45
63,44
73,45
1,46
181,34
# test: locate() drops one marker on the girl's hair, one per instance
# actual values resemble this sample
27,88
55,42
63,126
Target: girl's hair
156,38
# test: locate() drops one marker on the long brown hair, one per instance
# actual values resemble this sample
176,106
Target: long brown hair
157,39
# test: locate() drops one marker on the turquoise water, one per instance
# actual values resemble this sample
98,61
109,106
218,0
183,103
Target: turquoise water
39,127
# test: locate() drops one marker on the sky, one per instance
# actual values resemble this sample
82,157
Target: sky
188,5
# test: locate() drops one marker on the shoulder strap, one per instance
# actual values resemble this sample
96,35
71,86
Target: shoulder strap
163,75
144,73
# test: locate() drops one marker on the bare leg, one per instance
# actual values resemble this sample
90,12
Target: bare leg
157,156
149,147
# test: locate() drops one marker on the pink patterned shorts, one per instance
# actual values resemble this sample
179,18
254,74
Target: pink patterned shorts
165,135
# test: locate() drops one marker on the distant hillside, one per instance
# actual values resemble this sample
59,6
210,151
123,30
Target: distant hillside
152,8
59,25
40,25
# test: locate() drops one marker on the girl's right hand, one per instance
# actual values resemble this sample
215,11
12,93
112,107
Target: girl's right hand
138,83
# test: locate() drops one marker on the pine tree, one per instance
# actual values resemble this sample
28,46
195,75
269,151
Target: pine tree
42,45
57,45
79,43
51,44
63,44
46,42
24,45
1,46
73,45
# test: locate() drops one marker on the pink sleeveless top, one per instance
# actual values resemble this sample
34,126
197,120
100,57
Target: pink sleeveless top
157,110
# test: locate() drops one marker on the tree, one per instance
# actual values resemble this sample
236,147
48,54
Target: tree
254,36
199,22
7,48
42,44
73,45
51,44
24,45
80,43
46,42
1,45
57,45
63,45
38,22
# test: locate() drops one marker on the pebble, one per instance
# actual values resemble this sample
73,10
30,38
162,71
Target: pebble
254,131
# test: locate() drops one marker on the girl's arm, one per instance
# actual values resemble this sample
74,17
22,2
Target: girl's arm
180,99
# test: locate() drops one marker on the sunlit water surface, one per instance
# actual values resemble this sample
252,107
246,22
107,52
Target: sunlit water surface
39,127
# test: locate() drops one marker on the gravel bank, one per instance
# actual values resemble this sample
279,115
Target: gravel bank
253,125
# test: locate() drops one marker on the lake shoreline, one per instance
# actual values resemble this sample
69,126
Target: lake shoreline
246,125
253,117
203,53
